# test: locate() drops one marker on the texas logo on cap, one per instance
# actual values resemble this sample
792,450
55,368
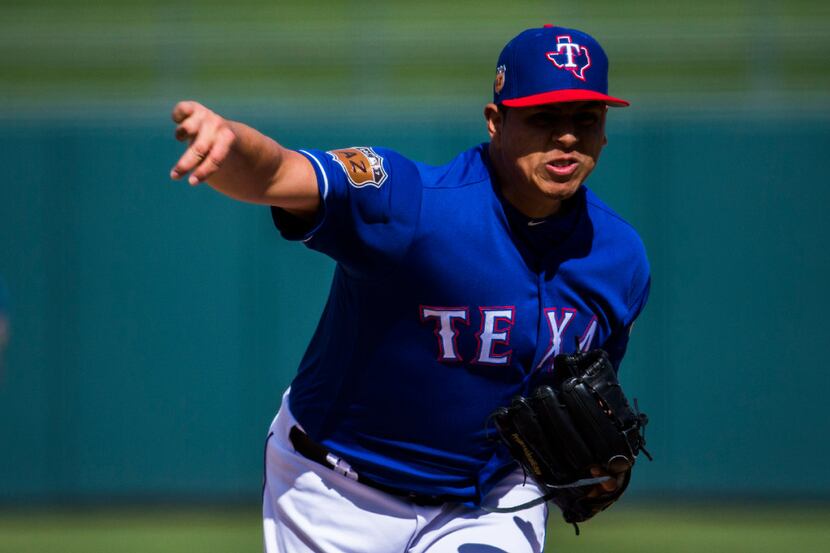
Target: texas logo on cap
570,56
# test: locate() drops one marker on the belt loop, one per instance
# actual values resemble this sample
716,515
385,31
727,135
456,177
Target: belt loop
340,466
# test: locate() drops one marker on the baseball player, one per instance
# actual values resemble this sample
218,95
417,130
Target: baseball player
455,287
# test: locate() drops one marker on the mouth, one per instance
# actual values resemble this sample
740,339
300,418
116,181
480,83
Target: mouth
563,167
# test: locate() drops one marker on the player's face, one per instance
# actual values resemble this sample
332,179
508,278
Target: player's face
542,154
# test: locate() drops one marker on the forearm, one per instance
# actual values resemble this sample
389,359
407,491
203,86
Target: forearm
243,163
251,171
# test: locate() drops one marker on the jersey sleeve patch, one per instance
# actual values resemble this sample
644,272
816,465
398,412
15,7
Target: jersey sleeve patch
362,165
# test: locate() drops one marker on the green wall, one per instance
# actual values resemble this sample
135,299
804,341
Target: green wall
154,326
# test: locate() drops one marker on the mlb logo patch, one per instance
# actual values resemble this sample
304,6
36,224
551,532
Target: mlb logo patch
570,56
498,84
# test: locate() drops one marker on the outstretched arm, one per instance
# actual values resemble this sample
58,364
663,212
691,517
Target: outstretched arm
243,163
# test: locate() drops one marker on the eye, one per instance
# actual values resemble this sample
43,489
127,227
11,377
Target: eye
542,119
586,118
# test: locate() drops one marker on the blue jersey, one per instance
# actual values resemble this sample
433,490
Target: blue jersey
445,303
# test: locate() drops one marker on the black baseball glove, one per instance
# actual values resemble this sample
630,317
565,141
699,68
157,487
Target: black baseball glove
568,432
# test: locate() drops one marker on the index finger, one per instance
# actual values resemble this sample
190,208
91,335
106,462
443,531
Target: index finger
183,110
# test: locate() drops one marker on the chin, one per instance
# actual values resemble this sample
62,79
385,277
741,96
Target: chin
560,190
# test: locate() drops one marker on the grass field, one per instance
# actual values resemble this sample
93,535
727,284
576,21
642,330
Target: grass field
637,528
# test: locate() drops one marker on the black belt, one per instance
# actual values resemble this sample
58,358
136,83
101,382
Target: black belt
313,451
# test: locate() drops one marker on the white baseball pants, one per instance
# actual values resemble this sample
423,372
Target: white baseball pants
308,508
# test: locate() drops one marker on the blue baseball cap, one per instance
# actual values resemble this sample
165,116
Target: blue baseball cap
551,65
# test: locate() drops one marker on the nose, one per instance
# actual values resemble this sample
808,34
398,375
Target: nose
564,136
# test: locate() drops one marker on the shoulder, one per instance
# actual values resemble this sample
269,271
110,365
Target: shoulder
467,168
611,227
616,241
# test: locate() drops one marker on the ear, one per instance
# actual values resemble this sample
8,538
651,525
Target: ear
494,121
604,136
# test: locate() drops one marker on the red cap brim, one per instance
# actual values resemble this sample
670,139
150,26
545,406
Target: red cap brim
570,95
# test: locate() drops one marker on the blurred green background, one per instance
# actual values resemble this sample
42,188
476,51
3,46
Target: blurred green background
153,326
